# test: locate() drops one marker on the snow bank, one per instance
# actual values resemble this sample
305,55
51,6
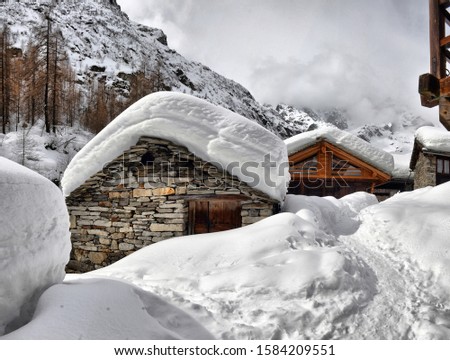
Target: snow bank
102,309
402,170
47,154
332,216
346,141
34,241
210,132
417,222
270,280
434,139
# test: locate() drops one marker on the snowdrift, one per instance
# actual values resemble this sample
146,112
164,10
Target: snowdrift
102,309
271,280
325,269
34,241
418,223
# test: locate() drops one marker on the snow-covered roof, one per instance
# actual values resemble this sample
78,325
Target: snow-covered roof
433,139
345,141
210,132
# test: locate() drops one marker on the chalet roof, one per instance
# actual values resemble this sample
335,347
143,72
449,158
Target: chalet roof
345,141
430,139
210,132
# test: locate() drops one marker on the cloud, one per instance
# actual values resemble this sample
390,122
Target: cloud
337,80
361,54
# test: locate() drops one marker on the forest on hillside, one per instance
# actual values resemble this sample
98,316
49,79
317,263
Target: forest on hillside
37,82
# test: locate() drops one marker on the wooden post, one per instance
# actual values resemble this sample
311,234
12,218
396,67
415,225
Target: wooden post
437,32
434,88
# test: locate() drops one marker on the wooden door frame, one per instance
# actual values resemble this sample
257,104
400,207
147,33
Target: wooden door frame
191,207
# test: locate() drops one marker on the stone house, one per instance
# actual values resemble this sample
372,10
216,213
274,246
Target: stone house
159,188
430,159
332,162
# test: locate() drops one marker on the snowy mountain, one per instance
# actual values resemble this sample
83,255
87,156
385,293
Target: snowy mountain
103,43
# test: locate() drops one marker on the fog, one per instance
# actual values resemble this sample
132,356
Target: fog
364,56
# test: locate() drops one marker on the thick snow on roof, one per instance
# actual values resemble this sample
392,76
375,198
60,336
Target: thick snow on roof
210,132
434,139
34,241
346,141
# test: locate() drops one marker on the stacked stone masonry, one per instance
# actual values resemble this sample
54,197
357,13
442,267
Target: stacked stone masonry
142,197
425,171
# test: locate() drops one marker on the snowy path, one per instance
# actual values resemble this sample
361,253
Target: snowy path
405,306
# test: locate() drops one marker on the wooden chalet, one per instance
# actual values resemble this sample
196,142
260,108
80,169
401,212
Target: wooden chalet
331,162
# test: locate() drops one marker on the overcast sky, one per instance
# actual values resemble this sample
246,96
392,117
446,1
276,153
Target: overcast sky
359,54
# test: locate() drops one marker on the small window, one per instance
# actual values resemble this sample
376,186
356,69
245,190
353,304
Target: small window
443,166
440,166
147,158
442,170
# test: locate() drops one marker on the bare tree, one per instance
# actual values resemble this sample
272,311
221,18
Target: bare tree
5,77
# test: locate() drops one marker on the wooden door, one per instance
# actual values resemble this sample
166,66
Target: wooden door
207,216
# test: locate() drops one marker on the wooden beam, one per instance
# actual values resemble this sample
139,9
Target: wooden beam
446,54
304,154
437,32
444,112
444,85
446,15
355,161
297,176
368,172
429,102
210,197
444,4
429,86
445,41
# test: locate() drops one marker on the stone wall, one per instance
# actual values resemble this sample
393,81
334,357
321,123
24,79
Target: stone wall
425,171
129,205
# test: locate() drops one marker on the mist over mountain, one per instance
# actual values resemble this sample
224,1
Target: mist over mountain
103,45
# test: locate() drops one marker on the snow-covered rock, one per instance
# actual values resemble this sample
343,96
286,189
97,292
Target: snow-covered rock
210,132
346,141
102,309
34,241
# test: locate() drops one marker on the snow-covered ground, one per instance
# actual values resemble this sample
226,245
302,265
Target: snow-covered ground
47,154
351,268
